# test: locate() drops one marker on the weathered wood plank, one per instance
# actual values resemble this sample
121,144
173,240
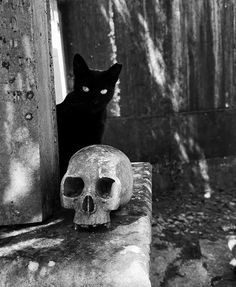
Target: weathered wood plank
47,126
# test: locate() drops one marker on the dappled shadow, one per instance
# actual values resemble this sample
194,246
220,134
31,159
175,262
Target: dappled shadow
161,103
174,111
171,108
196,222
58,238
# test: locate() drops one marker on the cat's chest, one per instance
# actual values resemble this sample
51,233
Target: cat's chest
87,116
82,118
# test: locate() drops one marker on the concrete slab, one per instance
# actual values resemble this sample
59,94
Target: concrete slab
54,254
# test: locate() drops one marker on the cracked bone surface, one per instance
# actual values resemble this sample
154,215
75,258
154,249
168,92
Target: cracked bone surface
99,179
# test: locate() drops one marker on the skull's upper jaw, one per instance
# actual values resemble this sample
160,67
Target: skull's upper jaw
97,218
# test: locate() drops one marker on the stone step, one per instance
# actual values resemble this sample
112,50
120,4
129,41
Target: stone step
55,254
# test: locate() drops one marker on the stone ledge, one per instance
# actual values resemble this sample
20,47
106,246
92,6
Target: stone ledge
54,254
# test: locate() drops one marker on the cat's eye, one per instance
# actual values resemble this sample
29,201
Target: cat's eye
85,89
103,92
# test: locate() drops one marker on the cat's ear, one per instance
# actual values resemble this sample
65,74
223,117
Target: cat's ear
113,72
79,65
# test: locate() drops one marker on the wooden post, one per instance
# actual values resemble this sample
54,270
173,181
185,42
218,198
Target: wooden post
28,139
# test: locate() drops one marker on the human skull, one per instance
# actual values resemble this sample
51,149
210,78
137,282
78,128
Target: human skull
98,180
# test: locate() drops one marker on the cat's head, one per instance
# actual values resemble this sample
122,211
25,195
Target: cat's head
92,87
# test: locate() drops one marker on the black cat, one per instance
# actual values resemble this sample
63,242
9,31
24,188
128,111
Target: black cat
81,116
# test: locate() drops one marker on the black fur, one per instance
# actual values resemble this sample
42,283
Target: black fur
81,116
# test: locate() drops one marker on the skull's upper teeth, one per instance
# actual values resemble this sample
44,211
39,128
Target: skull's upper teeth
84,225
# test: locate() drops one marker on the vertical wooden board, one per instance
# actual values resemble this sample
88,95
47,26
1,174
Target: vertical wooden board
228,53
217,32
200,56
153,30
207,64
196,32
49,173
175,53
85,31
139,48
234,57
130,54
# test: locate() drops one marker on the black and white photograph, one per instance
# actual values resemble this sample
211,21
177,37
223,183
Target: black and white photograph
117,143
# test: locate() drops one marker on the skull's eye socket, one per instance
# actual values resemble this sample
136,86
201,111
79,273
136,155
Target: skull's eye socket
104,186
73,186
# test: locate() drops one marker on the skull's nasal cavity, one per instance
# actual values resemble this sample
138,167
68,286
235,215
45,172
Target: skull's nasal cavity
88,204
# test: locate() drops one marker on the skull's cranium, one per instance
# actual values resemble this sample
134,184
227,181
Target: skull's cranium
98,180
